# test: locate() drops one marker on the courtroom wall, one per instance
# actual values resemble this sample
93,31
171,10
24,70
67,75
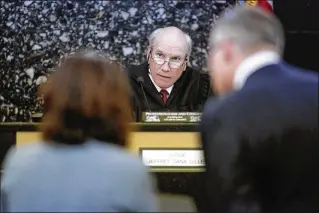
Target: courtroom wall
36,34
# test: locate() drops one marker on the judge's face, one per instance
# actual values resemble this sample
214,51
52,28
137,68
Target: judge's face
167,62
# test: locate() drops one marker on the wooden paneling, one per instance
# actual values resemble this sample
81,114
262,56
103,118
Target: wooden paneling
137,139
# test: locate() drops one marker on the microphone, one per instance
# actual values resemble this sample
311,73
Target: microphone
140,80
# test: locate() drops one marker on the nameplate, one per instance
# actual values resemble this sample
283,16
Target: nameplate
173,157
171,117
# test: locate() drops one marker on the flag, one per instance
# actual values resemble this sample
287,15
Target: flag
264,4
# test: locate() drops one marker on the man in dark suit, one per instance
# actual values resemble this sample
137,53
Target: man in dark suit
165,82
260,139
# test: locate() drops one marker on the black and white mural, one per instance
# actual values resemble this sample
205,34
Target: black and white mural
36,34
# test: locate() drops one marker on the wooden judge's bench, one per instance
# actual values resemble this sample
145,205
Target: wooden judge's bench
171,150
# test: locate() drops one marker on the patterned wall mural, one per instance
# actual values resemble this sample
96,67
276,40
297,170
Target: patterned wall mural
36,34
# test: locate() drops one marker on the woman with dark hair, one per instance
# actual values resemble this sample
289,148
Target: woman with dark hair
81,165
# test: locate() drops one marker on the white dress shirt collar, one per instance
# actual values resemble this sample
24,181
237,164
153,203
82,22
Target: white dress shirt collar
251,64
169,89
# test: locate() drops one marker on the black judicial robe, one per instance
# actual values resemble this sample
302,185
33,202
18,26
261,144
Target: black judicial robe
189,93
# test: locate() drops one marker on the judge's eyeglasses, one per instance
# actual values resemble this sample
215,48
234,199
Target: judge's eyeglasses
174,62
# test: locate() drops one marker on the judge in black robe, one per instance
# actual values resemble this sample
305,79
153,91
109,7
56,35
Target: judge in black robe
189,93
167,69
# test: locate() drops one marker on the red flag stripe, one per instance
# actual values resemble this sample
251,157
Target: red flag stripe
265,4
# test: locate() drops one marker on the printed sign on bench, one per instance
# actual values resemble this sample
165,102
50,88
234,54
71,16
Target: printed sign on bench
172,157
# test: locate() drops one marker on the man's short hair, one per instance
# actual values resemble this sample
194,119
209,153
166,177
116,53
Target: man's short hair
248,27
156,33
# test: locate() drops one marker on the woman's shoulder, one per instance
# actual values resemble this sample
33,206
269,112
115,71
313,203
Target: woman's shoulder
16,155
93,154
31,147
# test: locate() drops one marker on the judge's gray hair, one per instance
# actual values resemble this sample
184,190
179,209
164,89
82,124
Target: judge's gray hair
157,33
248,27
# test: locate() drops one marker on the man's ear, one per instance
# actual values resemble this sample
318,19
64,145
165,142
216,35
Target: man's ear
227,48
187,63
148,53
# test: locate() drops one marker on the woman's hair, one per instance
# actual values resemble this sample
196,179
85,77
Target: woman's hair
87,97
